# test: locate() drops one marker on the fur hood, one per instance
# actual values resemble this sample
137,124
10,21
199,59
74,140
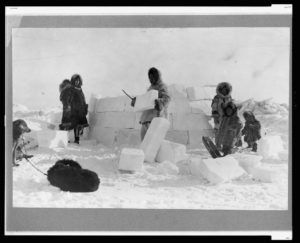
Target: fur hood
220,86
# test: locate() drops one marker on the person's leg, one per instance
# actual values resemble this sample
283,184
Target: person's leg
254,147
226,150
76,135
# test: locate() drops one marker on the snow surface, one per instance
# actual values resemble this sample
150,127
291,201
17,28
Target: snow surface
157,186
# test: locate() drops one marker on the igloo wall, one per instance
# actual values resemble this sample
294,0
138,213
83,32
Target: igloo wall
113,121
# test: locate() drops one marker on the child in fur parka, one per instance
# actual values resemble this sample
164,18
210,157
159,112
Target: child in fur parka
251,130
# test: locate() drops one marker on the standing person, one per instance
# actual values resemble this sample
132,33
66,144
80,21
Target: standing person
65,89
79,108
220,100
161,104
251,130
230,128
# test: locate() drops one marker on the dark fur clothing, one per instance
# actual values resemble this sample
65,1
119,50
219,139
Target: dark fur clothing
162,102
230,129
220,101
69,176
252,128
75,108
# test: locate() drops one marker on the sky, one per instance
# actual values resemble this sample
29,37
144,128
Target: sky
254,60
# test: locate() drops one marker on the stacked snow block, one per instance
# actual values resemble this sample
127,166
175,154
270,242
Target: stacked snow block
52,139
170,151
217,170
131,159
270,146
248,161
154,137
187,124
145,101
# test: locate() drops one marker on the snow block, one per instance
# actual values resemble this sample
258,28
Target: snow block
197,93
177,90
201,106
116,119
131,159
248,161
128,137
220,169
263,175
270,147
153,138
195,137
137,124
105,136
177,136
170,151
111,104
194,165
93,102
167,168
52,139
179,105
145,101
189,121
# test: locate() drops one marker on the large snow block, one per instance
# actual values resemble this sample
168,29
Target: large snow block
111,104
189,121
194,165
220,169
270,147
153,138
177,136
128,137
131,159
263,174
145,101
103,135
137,124
52,139
248,161
200,93
179,105
177,90
93,102
116,119
195,137
201,106
170,151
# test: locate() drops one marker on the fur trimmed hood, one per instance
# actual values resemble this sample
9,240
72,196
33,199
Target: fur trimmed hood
220,86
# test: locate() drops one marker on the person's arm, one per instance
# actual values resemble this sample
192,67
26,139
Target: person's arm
163,98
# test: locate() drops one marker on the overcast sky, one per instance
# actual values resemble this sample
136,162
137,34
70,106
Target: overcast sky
254,60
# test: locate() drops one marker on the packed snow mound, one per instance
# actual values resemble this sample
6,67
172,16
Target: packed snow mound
167,168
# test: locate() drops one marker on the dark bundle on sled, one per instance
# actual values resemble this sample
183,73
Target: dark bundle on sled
69,176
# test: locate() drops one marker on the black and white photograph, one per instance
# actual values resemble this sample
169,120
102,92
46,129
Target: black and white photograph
151,118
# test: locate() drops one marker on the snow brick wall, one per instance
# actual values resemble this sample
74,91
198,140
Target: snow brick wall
113,121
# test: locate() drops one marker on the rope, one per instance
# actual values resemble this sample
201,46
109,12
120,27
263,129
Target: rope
35,167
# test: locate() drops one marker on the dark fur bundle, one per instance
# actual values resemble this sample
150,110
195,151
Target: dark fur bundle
69,176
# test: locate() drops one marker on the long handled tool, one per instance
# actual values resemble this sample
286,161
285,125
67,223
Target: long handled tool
127,94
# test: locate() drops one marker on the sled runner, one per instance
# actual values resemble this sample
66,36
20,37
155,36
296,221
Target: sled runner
211,147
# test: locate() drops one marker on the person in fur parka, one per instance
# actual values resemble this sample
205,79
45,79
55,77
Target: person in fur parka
222,97
74,106
230,129
79,107
161,104
251,130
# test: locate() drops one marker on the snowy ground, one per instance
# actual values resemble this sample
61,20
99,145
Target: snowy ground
151,188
